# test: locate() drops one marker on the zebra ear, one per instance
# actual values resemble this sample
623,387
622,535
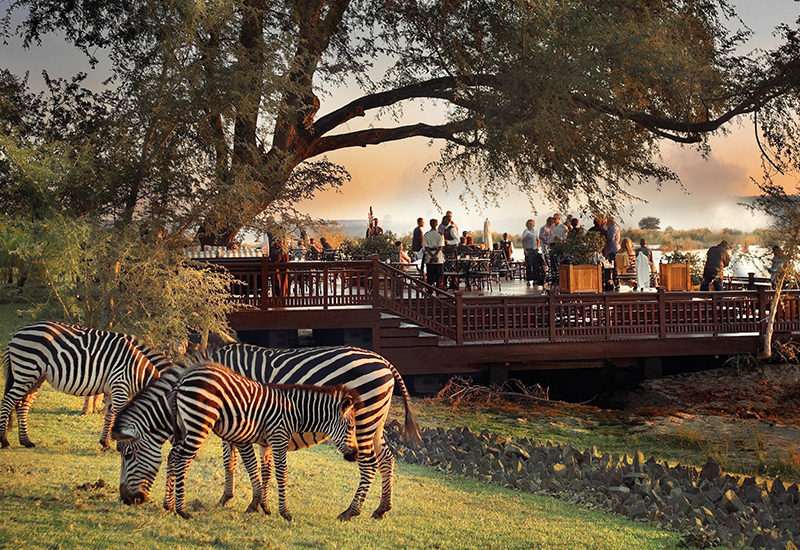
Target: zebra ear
125,434
347,402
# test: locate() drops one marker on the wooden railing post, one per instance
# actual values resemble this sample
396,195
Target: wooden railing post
264,281
762,311
662,312
376,280
751,280
459,318
607,309
551,314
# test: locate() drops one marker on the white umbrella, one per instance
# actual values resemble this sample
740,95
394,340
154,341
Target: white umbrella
487,234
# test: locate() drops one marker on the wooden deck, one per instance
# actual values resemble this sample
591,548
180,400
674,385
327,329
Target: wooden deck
422,329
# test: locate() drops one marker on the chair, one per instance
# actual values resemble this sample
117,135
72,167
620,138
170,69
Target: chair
625,272
501,265
452,270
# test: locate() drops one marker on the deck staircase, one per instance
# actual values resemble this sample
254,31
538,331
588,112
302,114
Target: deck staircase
396,332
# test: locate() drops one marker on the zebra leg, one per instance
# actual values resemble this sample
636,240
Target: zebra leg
169,490
229,463
386,466
23,408
279,454
266,474
88,405
180,462
251,464
367,465
118,399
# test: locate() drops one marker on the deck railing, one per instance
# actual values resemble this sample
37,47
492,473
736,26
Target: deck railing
552,317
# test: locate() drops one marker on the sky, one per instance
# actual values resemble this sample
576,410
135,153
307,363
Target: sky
390,177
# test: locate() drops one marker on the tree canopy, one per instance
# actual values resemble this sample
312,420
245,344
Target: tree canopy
214,119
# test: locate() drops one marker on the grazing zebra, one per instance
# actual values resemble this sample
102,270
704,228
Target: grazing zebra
366,372
210,397
77,361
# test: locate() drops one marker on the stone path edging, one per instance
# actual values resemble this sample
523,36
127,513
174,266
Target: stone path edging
709,507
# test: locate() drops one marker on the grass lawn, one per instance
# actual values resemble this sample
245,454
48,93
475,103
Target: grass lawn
52,497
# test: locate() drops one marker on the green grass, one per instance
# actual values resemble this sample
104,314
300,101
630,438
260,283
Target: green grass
48,500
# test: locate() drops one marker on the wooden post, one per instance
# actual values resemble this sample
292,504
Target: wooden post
376,280
762,311
607,309
459,317
506,322
551,316
264,282
751,280
715,305
662,312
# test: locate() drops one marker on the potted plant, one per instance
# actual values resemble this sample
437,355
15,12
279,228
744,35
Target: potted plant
580,261
680,271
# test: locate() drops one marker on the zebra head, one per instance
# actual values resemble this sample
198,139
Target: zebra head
141,428
340,426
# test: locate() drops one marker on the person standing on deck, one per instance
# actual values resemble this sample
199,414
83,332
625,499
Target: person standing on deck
717,259
433,257
530,244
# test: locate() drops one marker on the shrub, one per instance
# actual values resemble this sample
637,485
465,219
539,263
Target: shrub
112,279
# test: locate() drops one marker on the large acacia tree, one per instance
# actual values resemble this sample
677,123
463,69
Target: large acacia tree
566,99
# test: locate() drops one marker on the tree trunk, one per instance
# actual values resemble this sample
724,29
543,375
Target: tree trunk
773,311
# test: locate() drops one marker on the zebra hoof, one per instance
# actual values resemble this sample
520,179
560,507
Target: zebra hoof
184,514
28,444
265,509
5,444
224,500
287,516
379,514
347,515
253,507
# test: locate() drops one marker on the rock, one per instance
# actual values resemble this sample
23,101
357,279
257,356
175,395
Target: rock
730,501
711,470
637,510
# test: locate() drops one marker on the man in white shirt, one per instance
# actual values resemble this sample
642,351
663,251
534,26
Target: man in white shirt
432,255
558,232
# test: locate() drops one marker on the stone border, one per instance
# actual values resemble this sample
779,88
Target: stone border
707,506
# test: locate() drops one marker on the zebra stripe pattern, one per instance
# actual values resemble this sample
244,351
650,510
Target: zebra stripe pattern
366,372
210,397
77,361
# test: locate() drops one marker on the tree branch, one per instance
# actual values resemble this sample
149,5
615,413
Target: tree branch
375,136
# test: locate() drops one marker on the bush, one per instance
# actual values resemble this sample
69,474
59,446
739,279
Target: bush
382,245
581,247
111,279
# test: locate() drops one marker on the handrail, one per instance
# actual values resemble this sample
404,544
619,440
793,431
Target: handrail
546,318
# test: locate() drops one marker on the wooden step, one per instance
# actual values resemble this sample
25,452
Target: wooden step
422,340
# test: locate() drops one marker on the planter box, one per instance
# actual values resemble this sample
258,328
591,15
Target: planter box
675,276
580,278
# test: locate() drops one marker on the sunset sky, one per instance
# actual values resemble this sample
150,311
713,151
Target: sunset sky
390,177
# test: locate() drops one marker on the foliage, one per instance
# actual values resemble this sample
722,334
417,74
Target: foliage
365,247
565,100
784,232
582,247
696,263
79,272
650,222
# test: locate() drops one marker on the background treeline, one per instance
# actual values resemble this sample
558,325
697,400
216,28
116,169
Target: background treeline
668,239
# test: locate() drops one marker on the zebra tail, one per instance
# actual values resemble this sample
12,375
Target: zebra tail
9,376
411,431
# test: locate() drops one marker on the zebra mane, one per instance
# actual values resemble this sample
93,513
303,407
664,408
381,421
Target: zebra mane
156,389
339,391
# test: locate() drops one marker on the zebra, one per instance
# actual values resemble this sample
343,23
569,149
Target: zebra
74,360
210,397
364,371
